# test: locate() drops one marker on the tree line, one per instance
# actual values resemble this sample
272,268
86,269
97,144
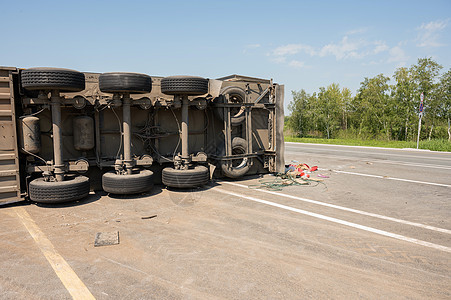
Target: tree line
382,108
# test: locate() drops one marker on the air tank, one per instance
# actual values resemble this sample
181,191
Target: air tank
29,134
83,127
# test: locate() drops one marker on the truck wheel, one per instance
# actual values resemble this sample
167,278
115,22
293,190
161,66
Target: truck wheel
71,189
127,184
184,85
185,178
64,80
119,82
232,94
237,167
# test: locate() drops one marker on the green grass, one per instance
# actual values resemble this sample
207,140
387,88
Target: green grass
434,145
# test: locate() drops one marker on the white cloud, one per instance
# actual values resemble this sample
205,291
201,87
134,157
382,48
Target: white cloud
280,54
429,34
297,64
380,46
253,46
250,47
357,31
348,48
344,49
372,63
279,59
292,49
397,54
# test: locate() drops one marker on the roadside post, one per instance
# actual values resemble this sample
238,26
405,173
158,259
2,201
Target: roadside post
420,115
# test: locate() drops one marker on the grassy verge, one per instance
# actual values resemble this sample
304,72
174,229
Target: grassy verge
434,145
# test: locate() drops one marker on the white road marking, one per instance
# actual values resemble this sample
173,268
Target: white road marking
396,162
392,178
68,277
385,161
359,147
390,154
342,222
374,148
347,209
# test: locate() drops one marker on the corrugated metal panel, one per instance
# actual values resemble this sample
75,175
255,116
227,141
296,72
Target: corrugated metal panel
9,163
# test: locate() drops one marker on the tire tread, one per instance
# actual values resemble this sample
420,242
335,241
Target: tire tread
125,82
47,78
175,85
185,178
127,184
59,192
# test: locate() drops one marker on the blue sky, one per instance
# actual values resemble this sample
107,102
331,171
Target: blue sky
302,44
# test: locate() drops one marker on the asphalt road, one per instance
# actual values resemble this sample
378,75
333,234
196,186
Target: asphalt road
411,157
378,227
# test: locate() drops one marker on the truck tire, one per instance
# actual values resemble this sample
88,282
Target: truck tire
232,94
71,189
237,167
64,80
184,85
126,184
197,176
118,82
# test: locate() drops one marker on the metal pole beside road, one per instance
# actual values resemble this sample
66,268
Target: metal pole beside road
420,115
419,129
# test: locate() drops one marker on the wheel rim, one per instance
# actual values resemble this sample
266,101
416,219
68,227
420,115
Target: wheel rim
236,99
240,162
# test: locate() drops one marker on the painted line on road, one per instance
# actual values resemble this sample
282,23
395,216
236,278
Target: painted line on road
338,221
347,209
388,154
385,161
355,146
411,164
392,178
369,147
68,277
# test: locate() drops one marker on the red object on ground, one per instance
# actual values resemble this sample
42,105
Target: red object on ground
312,169
304,175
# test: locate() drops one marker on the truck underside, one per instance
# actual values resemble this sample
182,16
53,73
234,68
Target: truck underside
64,132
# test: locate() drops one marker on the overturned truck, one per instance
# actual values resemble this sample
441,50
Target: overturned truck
65,133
